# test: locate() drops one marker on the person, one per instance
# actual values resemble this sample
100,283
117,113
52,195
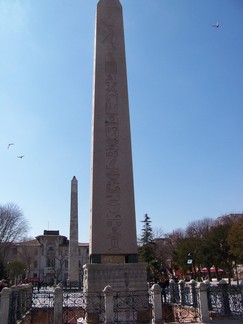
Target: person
165,288
3,284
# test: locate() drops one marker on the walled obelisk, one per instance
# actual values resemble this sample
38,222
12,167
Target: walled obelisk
113,239
73,266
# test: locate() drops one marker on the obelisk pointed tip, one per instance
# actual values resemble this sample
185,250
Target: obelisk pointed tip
74,178
109,3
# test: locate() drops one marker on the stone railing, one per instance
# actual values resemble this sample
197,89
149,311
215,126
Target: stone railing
15,303
201,298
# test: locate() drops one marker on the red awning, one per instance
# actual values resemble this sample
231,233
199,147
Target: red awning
212,270
34,279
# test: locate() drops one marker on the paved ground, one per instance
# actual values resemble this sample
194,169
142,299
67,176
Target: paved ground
225,321
229,321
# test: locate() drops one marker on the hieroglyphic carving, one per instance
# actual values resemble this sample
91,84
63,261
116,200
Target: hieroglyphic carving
113,192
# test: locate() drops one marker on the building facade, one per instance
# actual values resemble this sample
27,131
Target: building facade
46,258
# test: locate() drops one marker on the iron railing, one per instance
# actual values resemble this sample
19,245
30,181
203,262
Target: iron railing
132,307
180,303
225,300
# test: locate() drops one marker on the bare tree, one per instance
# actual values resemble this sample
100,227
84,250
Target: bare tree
13,225
229,219
175,238
61,258
173,241
158,232
199,228
27,253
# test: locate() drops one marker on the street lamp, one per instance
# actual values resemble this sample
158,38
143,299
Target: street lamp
189,262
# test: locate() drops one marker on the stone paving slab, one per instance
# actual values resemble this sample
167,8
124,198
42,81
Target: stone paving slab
226,321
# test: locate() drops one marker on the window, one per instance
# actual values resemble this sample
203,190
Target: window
50,263
14,251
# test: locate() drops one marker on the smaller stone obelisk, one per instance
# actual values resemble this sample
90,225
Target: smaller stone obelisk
73,266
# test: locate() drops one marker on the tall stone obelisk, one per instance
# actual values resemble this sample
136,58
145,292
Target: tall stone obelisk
113,240
113,226
73,266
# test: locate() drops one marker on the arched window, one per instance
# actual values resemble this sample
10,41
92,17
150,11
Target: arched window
50,259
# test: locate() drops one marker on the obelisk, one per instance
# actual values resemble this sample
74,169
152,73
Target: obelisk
113,226
113,240
73,266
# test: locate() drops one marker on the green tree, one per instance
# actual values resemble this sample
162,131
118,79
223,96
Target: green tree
16,270
173,242
197,232
147,231
235,240
146,248
2,269
186,256
218,248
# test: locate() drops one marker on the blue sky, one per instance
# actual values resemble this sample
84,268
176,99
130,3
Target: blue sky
185,82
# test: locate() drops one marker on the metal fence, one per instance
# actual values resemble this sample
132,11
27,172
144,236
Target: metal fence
226,300
75,305
132,307
179,302
19,303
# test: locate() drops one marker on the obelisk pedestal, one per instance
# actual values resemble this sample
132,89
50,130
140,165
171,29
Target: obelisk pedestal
113,239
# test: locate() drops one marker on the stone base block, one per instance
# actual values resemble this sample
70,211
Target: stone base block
121,277
129,298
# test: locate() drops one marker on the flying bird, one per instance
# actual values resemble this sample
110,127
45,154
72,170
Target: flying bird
216,25
10,145
20,156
